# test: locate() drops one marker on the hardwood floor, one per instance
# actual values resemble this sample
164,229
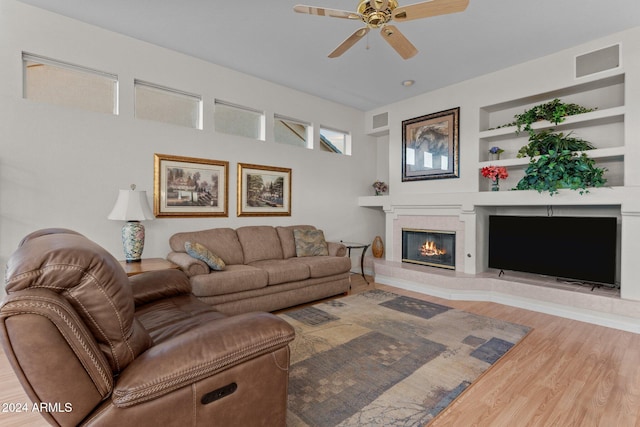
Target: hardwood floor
564,373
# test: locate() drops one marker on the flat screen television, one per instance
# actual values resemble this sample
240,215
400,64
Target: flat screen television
575,248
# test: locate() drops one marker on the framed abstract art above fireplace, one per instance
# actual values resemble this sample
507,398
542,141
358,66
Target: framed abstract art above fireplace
430,148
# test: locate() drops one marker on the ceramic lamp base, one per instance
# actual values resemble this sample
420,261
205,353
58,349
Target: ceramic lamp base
133,241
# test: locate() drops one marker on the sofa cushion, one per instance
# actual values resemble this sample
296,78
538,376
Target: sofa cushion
259,242
310,243
322,266
202,253
283,271
221,241
234,278
287,240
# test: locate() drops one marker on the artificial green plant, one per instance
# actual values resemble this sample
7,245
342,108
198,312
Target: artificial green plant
555,162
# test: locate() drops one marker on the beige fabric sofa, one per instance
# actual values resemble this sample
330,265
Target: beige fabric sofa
262,271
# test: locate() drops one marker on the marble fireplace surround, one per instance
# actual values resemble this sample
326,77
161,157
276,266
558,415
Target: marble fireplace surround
472,281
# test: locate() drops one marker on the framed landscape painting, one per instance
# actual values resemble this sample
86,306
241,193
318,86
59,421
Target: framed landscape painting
190,187
430,147
263,190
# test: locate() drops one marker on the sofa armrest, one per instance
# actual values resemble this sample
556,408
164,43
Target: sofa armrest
154,285
200,353
336,249
188,264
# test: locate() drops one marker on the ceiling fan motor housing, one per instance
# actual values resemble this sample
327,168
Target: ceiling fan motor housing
375,13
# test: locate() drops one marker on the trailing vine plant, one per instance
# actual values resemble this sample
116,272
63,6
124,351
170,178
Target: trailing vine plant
553,111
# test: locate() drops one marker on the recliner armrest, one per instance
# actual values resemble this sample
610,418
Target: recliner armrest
154,285
202,352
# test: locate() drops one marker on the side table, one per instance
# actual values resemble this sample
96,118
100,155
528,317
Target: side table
145,265
364,247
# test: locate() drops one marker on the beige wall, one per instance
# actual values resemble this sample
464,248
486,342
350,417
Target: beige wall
61,167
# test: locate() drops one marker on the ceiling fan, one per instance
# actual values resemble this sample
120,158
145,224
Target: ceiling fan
378,14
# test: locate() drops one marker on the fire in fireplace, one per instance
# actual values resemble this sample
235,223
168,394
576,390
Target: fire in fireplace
429,247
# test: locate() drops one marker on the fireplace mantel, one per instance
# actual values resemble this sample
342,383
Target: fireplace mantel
626,197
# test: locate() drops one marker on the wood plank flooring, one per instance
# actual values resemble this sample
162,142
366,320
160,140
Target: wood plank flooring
565,373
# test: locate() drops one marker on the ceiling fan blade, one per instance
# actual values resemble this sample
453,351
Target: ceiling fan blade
429,8
398,41
321,11
350,41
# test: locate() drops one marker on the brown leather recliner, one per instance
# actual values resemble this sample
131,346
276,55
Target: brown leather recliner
97,348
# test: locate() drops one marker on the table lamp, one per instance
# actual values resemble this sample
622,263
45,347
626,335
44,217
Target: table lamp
132,206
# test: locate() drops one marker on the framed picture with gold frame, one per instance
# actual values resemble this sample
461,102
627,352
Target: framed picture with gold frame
430,148
190,187
263,190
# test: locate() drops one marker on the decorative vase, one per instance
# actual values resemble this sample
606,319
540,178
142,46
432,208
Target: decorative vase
377,247
133,241
494,156
495,185
378,193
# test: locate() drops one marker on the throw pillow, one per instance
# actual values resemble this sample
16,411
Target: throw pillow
310,242
201,252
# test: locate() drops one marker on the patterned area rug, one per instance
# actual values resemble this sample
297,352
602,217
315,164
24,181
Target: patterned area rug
378,358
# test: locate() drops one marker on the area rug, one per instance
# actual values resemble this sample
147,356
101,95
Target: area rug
378,358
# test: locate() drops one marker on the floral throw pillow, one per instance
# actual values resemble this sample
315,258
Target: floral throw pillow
201,252
310,242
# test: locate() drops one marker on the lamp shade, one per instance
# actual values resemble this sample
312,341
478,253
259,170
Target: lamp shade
131,205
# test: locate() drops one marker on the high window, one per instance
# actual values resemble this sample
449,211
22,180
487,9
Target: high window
56,82
237,120
335,141
292,132
163,104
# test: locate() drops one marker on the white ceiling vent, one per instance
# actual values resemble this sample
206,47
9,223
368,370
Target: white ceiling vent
598,61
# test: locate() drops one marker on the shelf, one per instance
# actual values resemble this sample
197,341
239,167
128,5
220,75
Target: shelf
603,196
614,153
603,128
593,118
595,84
374,201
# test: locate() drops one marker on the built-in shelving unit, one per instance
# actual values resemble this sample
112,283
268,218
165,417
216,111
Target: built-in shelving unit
604,128
611,128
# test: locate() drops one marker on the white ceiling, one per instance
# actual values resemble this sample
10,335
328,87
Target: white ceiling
265,38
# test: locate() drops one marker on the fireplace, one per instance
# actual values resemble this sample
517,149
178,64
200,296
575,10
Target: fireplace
429,247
